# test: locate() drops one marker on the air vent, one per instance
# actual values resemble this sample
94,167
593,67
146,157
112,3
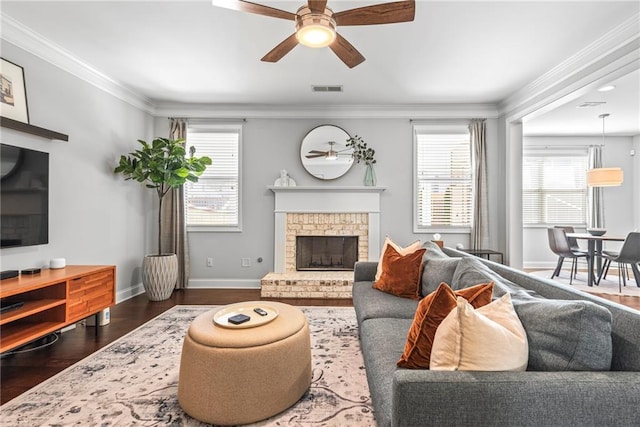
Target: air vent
591,104
334,88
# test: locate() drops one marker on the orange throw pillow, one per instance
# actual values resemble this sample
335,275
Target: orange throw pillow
403,251
401,273
430,313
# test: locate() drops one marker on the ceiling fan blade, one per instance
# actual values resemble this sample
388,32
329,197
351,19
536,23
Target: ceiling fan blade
281,50
385,13
317,6
317,152
346,52
313,156
246,6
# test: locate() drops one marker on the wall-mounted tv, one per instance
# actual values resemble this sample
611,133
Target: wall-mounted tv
24,197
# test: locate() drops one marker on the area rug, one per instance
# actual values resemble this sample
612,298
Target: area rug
607,286
134,380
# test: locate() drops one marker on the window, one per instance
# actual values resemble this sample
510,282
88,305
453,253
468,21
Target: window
554,187
213,203
444,184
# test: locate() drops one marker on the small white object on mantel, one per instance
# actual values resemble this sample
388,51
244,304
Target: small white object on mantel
285,180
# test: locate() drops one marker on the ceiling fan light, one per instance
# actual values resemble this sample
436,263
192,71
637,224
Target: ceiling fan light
331,155
315,29
316,36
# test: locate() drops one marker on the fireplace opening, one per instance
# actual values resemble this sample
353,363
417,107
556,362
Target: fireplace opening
326,253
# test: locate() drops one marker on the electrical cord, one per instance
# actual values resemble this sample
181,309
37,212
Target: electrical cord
53,336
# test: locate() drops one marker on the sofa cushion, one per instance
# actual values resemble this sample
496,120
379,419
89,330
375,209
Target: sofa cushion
431,311
370,303
436,271
401,273
470,271
490,338
382,341
402,251
563,335
433,250
566,335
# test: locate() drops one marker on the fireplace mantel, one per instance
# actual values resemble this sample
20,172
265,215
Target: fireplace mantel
325,200
323,189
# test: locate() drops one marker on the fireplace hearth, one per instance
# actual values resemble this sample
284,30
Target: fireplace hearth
326,253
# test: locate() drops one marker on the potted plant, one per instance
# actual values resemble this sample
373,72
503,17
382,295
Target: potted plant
362,153
161,165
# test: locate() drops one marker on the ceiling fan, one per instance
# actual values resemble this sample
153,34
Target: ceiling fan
330,154
316,24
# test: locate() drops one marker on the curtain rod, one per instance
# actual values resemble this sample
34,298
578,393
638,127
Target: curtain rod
563,147
217,119
447,119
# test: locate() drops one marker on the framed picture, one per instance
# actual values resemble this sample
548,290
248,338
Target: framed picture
13,92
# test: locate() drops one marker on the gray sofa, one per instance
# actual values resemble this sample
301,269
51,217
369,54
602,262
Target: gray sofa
584,354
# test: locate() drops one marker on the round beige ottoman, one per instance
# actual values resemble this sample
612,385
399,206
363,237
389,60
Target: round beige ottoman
239,376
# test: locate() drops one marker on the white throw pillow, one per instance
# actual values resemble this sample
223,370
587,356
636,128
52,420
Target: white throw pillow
402,251
490,338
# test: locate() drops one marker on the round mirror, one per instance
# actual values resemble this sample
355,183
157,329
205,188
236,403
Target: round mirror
324,153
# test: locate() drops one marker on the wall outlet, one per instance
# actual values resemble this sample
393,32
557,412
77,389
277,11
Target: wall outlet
246,262
209,262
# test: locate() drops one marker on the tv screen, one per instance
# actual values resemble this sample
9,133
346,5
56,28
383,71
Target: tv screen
24,197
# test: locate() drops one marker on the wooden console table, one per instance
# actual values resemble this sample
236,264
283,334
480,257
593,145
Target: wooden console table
53,299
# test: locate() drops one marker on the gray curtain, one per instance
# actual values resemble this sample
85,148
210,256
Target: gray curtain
595,204
174,229
480,226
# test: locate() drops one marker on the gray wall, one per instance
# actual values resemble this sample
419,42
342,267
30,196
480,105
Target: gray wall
620,213
636,182
273,144
95,217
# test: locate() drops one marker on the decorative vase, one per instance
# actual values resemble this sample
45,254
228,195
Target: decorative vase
159,276
370,176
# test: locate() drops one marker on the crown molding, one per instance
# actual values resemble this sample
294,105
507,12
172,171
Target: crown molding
17,34
281,111
612,55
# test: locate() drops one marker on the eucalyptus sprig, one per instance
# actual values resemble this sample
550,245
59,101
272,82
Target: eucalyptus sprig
361,153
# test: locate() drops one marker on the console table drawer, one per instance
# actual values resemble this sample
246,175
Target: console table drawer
90,294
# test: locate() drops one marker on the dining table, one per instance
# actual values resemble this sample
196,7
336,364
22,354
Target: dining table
594,249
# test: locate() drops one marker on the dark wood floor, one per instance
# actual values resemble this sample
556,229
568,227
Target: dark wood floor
20,372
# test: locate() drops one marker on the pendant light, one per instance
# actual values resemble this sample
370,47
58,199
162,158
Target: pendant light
604,177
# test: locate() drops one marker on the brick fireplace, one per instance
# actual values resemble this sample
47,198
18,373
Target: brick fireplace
324,224
326,253
321,211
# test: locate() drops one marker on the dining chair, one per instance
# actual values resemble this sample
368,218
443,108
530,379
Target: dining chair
629,255
560,246
573,242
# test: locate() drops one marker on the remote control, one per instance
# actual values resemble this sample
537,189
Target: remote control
260,311
239,319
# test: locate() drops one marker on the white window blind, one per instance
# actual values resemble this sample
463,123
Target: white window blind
444,185
554,187
214,200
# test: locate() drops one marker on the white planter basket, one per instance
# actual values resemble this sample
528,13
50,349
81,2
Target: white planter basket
159,276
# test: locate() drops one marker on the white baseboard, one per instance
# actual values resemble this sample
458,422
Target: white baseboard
548,265
224,284
130,292
540,265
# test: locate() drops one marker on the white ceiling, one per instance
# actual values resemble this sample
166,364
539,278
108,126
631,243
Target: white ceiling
472,52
